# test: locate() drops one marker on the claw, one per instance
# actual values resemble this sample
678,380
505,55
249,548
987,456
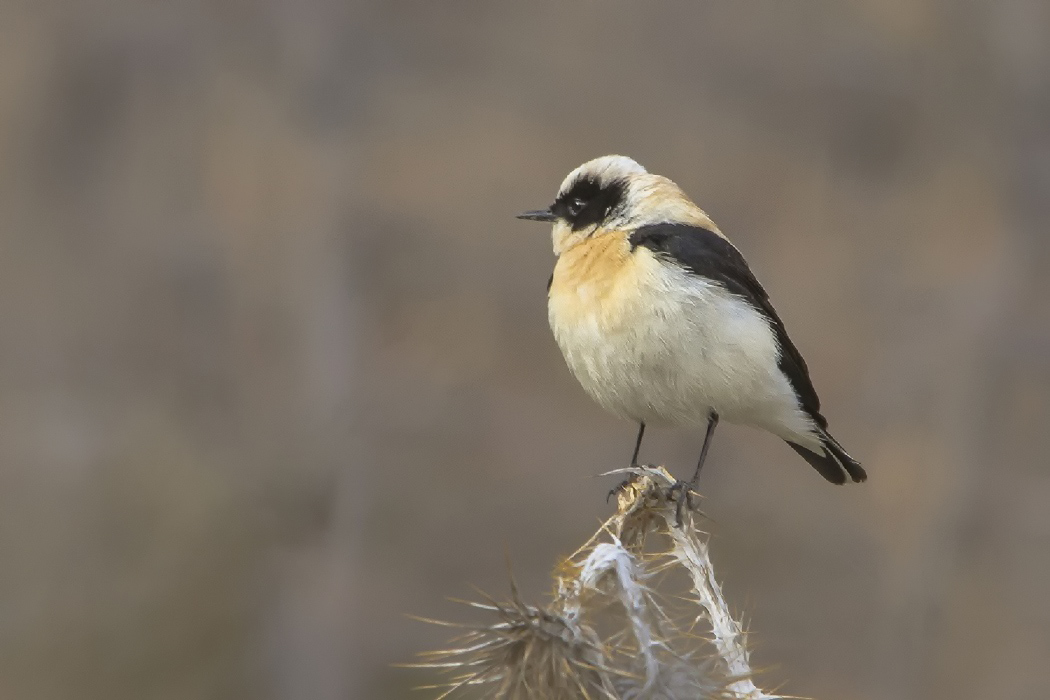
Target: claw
684,500
616,490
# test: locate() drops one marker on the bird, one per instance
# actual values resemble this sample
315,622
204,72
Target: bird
662,322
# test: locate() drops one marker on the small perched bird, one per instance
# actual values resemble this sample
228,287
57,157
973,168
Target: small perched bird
662,321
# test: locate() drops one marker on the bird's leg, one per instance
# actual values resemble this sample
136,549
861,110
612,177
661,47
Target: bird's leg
712,423
634,463
685,489
637,444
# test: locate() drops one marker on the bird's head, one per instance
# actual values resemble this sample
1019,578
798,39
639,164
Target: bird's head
610,194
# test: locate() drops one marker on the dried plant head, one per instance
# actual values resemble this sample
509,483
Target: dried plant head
609,632
526,652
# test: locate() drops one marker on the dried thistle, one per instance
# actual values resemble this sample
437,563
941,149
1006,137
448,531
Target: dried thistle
609,632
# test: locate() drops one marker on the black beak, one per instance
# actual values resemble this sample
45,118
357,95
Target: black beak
538,215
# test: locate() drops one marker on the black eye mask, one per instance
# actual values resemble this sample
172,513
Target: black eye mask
588,203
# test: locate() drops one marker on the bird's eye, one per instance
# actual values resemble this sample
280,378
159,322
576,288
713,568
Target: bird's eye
576,206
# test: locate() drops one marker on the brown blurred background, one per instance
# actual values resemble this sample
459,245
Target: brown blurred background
275,366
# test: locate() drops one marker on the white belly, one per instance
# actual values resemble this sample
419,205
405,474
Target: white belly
668,348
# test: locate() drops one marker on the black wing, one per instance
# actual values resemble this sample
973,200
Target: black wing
705,253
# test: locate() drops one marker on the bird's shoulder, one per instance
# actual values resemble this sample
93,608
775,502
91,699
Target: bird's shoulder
702,252
708,254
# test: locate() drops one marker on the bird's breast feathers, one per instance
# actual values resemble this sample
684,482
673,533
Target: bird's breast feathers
650,340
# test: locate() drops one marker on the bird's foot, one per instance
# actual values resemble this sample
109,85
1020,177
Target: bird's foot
622,486
685,492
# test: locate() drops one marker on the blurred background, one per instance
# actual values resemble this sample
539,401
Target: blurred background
275,363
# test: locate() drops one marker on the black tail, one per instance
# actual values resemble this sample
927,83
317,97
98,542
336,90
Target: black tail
834,463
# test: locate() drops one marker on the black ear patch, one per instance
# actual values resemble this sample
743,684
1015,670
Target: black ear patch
588,202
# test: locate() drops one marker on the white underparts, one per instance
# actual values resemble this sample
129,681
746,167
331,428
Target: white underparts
670,346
